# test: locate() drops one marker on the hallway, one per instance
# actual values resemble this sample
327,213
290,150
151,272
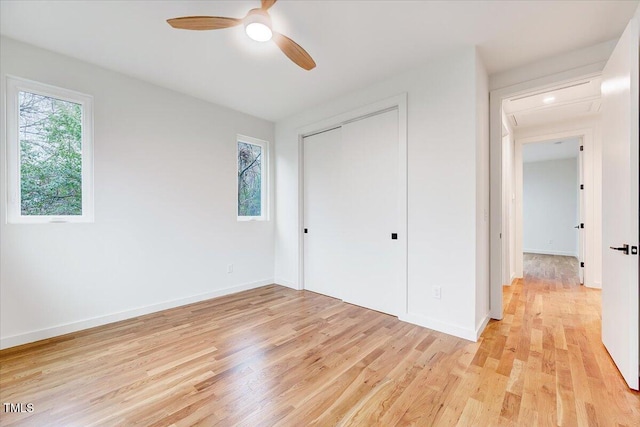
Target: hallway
559,371
562,270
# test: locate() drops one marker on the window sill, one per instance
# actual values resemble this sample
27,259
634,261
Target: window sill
50,220
251,218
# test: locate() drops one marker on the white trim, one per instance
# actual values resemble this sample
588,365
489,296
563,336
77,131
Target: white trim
58,330
437,325
399,102
546,252
300,211
495,160
586,136
14,85
482,326
283,282
264,179
507,176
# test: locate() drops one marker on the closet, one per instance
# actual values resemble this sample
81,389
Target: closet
352,250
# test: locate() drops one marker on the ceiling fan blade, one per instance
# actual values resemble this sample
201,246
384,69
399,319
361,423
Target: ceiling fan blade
203,22
294,51
266,4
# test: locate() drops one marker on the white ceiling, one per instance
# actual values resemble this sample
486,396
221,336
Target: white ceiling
551,150
569,101
354,43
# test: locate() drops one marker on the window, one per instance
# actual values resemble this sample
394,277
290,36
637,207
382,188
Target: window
252,178
49,153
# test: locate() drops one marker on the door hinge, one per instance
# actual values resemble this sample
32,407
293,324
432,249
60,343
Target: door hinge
582,264
306,230
582,225
582,148
582,186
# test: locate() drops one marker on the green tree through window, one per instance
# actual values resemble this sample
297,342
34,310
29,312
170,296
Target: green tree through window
50,132
249,179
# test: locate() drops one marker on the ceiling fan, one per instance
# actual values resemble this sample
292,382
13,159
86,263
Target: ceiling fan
257,24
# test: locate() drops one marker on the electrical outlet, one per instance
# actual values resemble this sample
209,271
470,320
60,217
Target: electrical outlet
436,292
230,268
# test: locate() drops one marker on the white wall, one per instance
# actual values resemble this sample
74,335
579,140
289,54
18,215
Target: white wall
590,130
482,195
550,207
596,56
442,186
165,209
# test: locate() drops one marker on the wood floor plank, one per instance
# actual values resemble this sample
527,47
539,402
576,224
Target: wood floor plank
273,356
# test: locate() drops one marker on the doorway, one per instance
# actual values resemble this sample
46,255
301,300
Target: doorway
616,228
549,187
536,97
557,123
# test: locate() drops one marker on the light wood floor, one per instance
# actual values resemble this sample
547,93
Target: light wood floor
274,356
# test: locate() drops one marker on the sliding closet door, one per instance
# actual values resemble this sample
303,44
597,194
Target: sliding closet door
351,189
322,209
370,199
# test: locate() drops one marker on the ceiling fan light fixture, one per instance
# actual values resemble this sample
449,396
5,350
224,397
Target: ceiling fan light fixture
257,25
258,32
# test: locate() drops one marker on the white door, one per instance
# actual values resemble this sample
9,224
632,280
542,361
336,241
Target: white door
351,200
322,181
371,216
620,207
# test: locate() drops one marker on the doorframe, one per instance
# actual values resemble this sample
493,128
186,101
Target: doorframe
508,226
400,102
586,138
496,207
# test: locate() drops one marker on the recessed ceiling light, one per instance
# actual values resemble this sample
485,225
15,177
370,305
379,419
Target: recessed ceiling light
548,99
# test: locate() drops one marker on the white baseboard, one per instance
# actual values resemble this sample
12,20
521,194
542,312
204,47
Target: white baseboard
55,331
546,252
287,283
513,277
594,285
482,325
436,325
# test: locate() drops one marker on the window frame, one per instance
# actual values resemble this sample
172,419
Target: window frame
15,85
264,178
